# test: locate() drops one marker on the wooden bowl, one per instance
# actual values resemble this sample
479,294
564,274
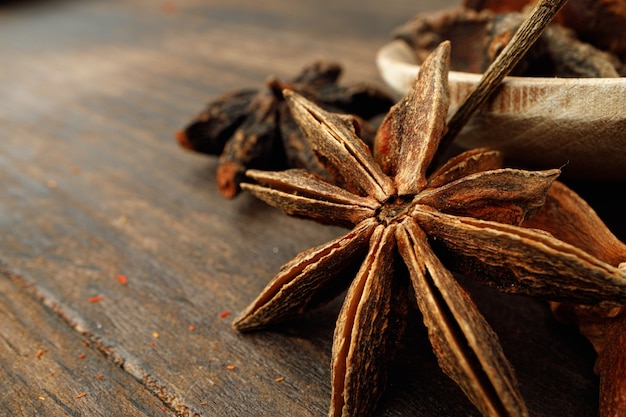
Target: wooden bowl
578,124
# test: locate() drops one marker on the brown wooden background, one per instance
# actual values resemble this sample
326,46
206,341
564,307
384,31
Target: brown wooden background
93,185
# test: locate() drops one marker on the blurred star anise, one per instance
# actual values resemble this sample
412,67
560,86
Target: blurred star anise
404,224
254,128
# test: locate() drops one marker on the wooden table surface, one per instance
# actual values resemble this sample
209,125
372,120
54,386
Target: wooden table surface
95,186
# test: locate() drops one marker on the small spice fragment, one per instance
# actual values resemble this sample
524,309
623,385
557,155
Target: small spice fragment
122,279
279,379
95,299
169,7
81,395
231,367
82,356
224,314
254,128
155,335
100,376
39,353
192,328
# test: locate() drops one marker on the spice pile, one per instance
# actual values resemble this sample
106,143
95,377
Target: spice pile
582,43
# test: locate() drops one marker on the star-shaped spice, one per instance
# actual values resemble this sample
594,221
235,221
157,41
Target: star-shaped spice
254,128
404,223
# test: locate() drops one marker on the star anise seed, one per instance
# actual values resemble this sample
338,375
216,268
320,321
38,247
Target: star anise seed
255,129
470,207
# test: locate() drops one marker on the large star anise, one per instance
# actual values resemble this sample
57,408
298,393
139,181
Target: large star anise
400,219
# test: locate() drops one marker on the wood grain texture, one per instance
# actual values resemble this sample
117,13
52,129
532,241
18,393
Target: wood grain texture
94,185
48,370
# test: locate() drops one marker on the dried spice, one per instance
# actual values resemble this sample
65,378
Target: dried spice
570,219
481,35
599,22
404,223
254,129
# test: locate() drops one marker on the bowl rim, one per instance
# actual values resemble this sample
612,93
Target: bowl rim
398,55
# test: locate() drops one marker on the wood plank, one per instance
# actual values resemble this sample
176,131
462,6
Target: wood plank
93,185
48,369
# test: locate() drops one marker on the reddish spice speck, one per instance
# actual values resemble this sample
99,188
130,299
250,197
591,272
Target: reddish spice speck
39,353
224,314
82,356
122,279
85,344
95,299
280,379
153,343
100,376
192,327
169,7
231,367
81,395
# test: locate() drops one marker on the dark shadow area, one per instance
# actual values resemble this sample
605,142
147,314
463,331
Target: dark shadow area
605,197
11,5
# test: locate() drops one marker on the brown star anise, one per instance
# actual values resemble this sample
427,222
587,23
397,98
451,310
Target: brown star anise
401,220
254,128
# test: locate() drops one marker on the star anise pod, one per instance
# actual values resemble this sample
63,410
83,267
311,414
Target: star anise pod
254,128
401,219
569,218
